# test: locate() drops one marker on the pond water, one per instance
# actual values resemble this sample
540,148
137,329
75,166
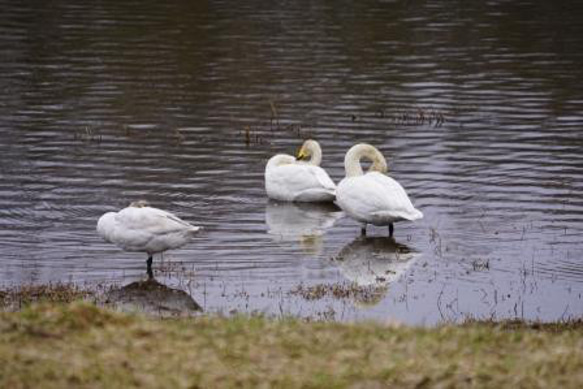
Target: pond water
477,107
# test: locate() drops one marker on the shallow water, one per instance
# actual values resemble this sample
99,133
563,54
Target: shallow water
478,108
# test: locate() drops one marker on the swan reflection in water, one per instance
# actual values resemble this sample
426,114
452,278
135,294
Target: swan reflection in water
152,298
302,222
375,261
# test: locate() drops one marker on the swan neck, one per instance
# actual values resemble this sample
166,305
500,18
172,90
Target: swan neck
316,153
352,164
356,153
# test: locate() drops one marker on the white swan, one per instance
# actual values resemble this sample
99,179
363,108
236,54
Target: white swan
372,198
140,227
288,179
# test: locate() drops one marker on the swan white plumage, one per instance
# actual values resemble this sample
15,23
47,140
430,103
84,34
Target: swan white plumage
291,179
372,198
140,227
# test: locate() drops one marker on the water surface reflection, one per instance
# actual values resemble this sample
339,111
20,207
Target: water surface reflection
378,261
305,223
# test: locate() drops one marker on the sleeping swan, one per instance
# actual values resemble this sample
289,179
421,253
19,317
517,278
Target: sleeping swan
291,179
140,227
372,197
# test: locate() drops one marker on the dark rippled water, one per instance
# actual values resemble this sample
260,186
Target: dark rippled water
478,107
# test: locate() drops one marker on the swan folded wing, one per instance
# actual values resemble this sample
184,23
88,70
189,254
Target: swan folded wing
358,197
323,178
150,229
298,178
392,199
377,196
151,221
179,222
316,194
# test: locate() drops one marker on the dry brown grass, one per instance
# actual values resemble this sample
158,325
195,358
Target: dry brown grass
80,345
340,291
18,297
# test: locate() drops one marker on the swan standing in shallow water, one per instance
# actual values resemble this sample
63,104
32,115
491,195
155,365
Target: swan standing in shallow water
372,198
291,179
140,227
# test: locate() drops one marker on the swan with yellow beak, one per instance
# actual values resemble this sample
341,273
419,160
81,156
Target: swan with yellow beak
299,179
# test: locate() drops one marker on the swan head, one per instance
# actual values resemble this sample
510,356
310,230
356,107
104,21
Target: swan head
312,150
140,204
366,151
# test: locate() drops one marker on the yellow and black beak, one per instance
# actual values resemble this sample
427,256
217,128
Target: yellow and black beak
302,155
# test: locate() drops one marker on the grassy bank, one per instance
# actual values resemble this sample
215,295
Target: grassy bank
80,345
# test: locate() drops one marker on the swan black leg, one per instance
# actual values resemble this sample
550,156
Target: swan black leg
391,230
363,230
149,271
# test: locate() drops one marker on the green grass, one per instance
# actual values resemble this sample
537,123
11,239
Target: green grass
80,345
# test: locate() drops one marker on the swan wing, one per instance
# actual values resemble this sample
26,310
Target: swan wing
395,200
375,198
291,182
149,229
322,177
152,220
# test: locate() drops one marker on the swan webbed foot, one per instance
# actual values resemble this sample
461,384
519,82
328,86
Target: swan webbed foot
391,230
363,230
